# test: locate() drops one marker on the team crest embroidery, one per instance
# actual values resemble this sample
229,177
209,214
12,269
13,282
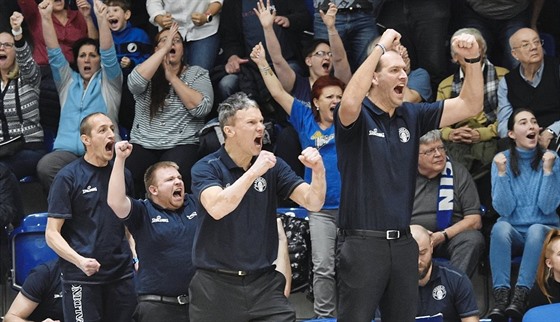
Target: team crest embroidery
132,47
260,184
439,293
404,135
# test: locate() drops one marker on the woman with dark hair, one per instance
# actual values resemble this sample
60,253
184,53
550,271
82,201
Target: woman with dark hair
525,193
547,287
315,127
19,101
94,85
172,99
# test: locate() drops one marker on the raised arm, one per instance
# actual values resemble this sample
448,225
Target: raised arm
85,9
311,196
148,68
470,99
360,83
339,58
285,73
49,34
116,193
272,83
105,36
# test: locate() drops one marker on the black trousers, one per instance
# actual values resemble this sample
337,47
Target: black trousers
215,297
372,272
147,311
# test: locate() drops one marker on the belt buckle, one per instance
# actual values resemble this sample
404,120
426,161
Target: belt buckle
241,273
393,234
182,299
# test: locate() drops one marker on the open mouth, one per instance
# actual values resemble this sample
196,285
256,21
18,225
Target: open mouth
399,89
177,193
113,22
332,108
258,141
109,146
326,67
3,58
87,68
531,136
172,51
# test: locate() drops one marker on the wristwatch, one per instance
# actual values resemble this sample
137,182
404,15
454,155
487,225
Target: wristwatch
208,17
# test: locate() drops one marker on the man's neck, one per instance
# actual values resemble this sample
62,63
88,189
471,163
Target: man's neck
241,159
428,174
530,70
426,278
94,161
385,107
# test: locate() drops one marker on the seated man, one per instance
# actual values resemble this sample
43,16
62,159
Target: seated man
442,289
446,203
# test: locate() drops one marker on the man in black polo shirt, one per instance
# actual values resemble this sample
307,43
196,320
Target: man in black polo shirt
377,147
237,240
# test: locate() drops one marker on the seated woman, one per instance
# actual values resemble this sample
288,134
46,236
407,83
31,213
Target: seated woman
315,128
547,287
93,86
525,193
172,99
19,101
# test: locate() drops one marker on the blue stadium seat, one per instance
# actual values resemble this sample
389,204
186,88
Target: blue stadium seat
549,312
296,212
29,247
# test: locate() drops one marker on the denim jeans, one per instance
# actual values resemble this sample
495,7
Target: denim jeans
357,30
323,245
203,52
505,243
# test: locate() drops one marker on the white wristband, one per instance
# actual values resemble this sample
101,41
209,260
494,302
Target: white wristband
17,33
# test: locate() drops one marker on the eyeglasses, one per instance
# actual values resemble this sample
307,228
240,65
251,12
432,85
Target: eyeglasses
429,153
322,53
6,45
176,40
527,45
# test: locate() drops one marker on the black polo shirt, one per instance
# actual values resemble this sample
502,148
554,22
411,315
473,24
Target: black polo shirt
43,287
247,238
378,161
449,292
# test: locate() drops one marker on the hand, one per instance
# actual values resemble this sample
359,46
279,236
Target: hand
15,21
545,137
329,18
164,21
390,39
500,161
281,233
311,158
45,8
234,63
100,10
89,266
84,7
199,18
168,43
437,238
548,162
265,161
466,135
404,54
465,46
125,62
457,135
266,14
123,149
258,55
282,21
50,320
475,136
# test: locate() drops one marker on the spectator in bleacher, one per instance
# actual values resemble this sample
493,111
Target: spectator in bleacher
497,21
546,289
69,27
93,85
40,297
133,47
525,193
473,142
535,83
172,98
446,203
356,25
240,31
11,204
441,287
198,23
315,128
19,103
423,25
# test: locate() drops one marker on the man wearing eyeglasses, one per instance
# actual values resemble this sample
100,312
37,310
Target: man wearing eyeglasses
446,203
534,84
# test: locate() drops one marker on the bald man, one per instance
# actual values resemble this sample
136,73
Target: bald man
442,288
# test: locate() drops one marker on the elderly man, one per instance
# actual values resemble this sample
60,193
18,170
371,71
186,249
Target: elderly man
446,203
377,147
535,84
442,289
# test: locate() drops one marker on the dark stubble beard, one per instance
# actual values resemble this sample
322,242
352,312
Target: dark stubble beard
425,271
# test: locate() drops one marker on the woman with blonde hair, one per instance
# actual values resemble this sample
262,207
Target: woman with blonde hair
547,282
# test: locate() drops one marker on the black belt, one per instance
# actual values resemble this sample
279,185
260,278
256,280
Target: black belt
353,9
240,273
385,234
177,300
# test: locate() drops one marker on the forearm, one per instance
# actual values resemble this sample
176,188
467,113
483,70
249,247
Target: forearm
91,30
149,67
315,195
214,8
49,34
105,36
190,97
275,87
61,247
286,75
472,92
340,60
469,222
116,193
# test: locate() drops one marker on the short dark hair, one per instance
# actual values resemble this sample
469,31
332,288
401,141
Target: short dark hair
79,44
125,5
85,125
317,90
312,46
514,155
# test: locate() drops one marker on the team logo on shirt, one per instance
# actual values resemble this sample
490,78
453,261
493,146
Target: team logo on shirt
192,215
375,132
159,219
404,135
89,189
260,184
132,47
321,140
439,293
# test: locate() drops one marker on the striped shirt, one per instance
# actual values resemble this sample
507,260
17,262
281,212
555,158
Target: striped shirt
174,125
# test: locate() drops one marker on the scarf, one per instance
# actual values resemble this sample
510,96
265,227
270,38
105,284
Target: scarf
444,210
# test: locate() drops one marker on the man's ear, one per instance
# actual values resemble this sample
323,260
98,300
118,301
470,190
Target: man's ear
86,140
153,190
229,131
127,15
